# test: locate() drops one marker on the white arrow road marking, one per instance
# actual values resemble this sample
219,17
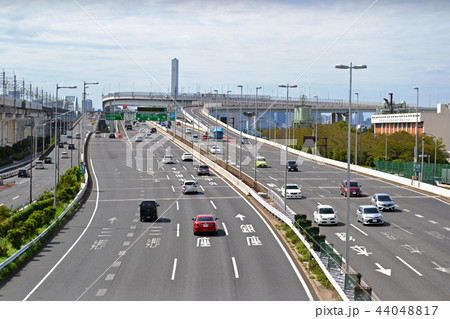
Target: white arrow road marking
112,220
383,270
409,266
241,217
440,268
361,250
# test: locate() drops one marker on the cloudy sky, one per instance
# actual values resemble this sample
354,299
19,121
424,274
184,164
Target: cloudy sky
128,46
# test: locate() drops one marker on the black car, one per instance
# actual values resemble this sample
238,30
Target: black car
23,173
129,127
292,166
203,169
47,160
61,145
153,130
71,146
112,135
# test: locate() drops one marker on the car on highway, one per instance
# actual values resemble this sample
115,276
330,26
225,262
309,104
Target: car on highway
292,165
39,165
189,186
244,140
355,188
47,160
23,173
178,123
148,135
78,136
205,224
168,159
383,202
188,131
142,130
215,149
203,169
261,161
129,127
139,138
112,135
64,155
163,124
369,215
291,191
153,130
148,210
194,138
325,215
205,137
71,146
61,145
187,157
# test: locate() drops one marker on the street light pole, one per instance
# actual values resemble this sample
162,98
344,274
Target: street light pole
317,102
416,133
56,140
254,124
356,126
83,133
228,119
287,86
349,123
240,135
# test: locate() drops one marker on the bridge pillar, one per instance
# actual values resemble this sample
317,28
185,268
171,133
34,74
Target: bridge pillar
336,117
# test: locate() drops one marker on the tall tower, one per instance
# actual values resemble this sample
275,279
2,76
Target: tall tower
174,90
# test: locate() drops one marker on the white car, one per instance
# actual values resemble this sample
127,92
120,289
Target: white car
142,130
39,165
383,202
148,135
194,138
189,186
369,215
168,159
215,149
64,155
139,139
291,191
188,131
187,157
325,215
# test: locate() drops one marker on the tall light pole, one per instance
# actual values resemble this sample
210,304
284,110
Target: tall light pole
56,139
228,119
240,135
317,103
416,133
254,124
356,126
83,133
349,123
287,86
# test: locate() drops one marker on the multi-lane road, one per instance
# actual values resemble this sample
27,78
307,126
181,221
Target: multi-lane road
405,259
105,253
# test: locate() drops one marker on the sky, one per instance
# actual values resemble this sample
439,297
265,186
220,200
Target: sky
128,46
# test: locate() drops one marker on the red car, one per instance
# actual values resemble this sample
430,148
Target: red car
178,123
204,137
205,224
355,188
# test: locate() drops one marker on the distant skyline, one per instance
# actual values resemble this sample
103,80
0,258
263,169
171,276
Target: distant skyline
219,45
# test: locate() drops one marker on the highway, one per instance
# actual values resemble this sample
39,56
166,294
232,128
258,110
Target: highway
105,253
405,259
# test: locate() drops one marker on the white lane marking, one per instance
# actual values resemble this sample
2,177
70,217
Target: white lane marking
407,210
168,177
173,188
117,264
433,221
236,273
192,176
409,266
133,227
110,276
178,206
417,215
185,168
126,243
178,230
212,203
273,178
447,228
122,252
174,269
359,230
100,293
15,197
130,234
402,228
76,241
225,229
202,188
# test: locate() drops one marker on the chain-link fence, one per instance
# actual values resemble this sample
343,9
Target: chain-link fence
431,173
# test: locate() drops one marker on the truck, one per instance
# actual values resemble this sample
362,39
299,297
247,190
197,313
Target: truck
63,139
216,133
69,134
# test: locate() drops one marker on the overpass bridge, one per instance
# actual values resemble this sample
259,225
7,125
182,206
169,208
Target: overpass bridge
241,108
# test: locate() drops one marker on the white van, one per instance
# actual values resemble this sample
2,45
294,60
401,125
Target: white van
64,155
